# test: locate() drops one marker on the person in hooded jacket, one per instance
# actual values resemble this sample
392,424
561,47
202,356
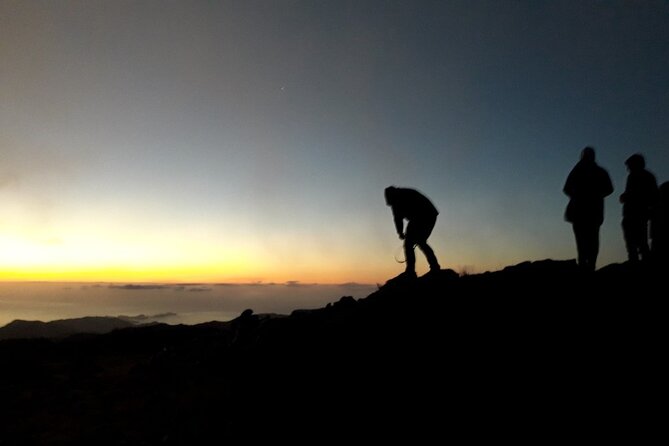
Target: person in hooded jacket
587,185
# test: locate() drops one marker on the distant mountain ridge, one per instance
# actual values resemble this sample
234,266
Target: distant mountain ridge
21,329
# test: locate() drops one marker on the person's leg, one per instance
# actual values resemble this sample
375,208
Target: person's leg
630,242
644,250
418,231
580,237
592,246
429,255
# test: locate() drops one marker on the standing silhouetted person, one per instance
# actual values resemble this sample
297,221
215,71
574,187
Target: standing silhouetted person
659,227
422,215
638,201
586,186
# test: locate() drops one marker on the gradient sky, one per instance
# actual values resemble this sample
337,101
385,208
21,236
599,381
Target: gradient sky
252,140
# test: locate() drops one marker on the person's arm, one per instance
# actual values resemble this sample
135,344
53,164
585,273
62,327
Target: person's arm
399,222
568,188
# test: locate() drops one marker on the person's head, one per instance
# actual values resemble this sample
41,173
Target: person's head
588,155
635,162
390,194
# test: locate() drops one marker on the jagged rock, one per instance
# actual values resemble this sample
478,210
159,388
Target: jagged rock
345,301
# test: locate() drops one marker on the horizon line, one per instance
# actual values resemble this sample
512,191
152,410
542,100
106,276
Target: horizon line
289,283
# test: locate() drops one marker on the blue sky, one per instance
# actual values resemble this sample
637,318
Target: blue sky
253,140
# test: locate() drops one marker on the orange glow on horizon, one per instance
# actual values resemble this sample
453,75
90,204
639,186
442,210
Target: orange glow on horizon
204,274
89,260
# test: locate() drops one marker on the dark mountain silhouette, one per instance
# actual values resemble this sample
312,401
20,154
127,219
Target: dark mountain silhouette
20,329
537,351
65,327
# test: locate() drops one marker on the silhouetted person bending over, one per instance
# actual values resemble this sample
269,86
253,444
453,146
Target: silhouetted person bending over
586,186
422,215
638,200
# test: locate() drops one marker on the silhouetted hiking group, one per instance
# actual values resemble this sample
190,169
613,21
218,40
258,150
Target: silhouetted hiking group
588,184
645,213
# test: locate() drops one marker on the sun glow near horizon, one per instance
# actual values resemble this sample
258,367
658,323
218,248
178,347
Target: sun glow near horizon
133,257
85,259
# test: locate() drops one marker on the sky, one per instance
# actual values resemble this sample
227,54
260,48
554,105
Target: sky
250,141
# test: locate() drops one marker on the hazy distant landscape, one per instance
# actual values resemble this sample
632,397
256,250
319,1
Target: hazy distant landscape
166,303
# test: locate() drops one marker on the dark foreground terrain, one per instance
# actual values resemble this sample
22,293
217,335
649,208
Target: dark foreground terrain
535,353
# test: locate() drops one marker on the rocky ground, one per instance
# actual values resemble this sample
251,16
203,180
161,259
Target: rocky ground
536,352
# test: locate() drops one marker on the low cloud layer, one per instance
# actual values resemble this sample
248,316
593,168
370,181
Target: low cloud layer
143,318
134,287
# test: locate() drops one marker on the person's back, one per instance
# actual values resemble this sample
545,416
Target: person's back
411,204
587,185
